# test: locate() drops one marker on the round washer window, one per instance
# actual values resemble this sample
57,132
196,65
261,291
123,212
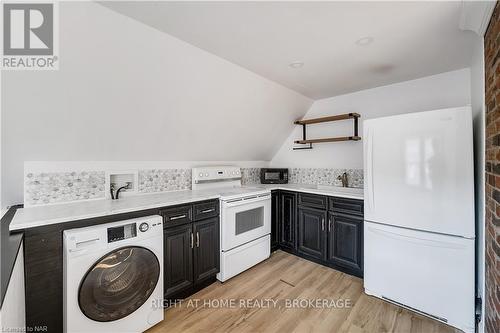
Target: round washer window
119,283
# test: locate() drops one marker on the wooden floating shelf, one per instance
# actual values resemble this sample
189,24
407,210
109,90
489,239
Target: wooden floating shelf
327,119
344,116
341,138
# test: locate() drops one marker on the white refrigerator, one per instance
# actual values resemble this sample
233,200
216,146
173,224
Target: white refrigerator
419,226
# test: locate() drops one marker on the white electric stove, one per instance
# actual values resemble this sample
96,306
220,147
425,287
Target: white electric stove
245,214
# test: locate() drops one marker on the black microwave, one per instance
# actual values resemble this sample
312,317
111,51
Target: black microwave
273,176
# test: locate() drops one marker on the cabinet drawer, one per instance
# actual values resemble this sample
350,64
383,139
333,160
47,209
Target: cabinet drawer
205,210
177,215
347,206
312,200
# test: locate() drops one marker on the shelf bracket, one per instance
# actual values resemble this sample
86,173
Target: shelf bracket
310,146
355,125
345,116
300,148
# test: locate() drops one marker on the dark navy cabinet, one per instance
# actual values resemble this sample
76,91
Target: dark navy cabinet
311,232
288,220
345,242
191,247
324,229
275,216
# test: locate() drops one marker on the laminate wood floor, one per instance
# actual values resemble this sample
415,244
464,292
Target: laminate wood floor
283,278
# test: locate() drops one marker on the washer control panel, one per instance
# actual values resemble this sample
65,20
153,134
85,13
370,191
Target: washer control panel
112,234
131,230
122,232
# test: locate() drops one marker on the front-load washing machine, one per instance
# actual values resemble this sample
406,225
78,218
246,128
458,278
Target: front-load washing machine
113,276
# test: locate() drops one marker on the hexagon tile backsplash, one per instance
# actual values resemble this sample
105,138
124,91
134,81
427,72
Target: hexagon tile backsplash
310,176
56,187
162,180
325,176
42,188
250,176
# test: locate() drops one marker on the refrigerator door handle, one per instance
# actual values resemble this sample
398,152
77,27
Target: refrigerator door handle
369,169
416,240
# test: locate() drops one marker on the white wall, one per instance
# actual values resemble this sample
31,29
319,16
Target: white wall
433,92
127,92
479,110
12,313
2,206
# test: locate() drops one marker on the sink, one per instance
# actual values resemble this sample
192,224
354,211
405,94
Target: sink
346,190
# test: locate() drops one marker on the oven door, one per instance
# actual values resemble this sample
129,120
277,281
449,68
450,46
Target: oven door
244,220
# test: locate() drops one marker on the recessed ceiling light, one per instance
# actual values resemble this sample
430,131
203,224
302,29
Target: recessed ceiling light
364,41
296,64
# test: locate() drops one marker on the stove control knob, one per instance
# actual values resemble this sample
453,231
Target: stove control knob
201,175
143,227
206,175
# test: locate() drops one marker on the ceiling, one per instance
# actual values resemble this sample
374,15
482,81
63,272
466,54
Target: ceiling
410,39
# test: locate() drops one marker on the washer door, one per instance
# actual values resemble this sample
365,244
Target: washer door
118,284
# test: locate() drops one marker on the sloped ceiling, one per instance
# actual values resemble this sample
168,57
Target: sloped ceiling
411,39
125,91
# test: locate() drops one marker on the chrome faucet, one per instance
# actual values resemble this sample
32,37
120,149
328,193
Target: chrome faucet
344,180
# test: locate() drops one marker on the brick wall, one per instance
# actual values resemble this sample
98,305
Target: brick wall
492,232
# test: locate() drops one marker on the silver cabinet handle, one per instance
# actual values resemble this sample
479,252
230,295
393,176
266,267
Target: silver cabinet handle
192,240
207,210
178,217
323,224
329,224
197,239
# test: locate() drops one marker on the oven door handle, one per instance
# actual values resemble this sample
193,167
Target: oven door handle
244,201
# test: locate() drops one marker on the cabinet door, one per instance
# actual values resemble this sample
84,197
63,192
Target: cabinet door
312,232
178,259
345,242
288,203
275,210
206,249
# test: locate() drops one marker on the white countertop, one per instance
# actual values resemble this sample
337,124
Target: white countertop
334,191
51,214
